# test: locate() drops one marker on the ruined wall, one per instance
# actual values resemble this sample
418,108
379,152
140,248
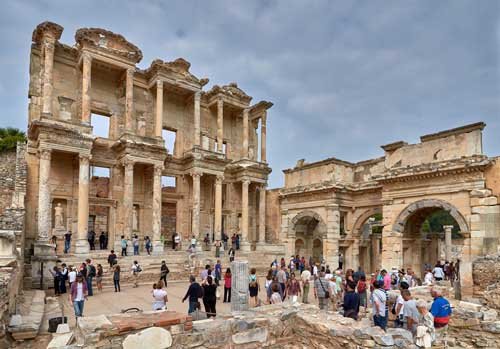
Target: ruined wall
492,175
7,178
446,147
327,170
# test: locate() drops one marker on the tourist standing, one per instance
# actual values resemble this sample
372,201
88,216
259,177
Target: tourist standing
293,288
410,312
438,272
91,273
428,278
116,277
64,277
379,299
56,274
194,292
147,245
102,241
351,301
321,291
217,245
160,297
218,272
426,334
276,296
124,245
78,295
267,284
112,258
164,272
227,286
341,261
281,275
253,286
177,241
136,270
237,241
398,310
386,279
71,276
440,309
362,290
210,297
231,254
67,241
193,244
135,244
306,284
98,278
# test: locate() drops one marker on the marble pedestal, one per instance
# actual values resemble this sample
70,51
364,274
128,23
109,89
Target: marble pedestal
43,260
158,248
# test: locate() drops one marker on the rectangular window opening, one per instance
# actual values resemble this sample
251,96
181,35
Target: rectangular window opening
97,171
168,181
100,124
169,137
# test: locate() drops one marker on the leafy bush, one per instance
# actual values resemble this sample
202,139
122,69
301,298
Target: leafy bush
9,137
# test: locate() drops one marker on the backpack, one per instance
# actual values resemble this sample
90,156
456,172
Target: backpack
138,269
92,271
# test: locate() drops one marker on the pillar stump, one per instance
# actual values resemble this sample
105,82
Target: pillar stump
239,286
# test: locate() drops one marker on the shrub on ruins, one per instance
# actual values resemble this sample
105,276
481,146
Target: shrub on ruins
9,137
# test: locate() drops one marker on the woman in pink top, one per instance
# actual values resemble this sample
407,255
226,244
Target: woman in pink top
227,286
387,279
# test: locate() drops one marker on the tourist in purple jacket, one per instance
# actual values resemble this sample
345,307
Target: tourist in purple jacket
78,294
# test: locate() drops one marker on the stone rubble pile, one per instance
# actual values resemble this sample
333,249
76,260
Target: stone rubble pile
27,324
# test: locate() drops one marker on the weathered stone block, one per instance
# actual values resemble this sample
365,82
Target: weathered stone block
151,338
254,335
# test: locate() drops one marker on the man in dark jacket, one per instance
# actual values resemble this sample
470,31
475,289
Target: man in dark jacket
351,301
194,292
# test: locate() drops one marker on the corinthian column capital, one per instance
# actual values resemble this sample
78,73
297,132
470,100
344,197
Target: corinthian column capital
45,154
158,170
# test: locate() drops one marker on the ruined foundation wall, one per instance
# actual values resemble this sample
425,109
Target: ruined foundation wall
7,178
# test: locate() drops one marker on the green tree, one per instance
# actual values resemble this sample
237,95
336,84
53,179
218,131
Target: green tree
9,137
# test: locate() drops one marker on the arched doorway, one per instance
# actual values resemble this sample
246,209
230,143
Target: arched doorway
299,247
422,226
308,231
368,230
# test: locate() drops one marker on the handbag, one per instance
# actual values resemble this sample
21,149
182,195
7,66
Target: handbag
217,293
327,294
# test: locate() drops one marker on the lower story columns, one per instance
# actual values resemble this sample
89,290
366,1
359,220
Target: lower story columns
82,245
157,244
244,244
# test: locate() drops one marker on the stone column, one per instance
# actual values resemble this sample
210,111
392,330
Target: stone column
48,76
86,80
129,100
355,254
246,111
195,229
82,245
220,124
239,286
128,197
197,128
448,242
262,214
331,243
218,207
159,108
263,131
244,245
157,244
44,214
376,240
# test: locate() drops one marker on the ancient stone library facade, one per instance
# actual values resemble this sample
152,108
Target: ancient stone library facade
176,158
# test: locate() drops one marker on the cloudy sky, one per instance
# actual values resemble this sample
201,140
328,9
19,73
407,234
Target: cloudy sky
345,76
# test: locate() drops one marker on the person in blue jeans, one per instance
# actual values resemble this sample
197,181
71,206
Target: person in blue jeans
78,295
91,273
194,293
379,300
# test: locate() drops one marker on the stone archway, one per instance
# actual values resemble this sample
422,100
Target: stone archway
307,231
369,257
417,248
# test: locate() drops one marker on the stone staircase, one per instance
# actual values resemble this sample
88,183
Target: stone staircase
178,263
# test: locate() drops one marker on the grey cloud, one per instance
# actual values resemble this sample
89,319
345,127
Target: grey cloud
345,76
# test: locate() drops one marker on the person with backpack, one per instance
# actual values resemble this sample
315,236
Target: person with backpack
91,273
362,290
112,258
136,270
194,292
253,286
164,272
351,301
64,277
321,291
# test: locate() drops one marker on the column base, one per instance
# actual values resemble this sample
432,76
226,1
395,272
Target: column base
245,246
158,248
117,246
82,247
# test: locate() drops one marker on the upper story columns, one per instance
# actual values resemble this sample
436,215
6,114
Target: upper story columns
159,108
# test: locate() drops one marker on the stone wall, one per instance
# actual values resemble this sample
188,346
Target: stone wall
7,178
486,276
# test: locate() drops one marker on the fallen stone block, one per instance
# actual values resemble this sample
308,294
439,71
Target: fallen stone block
254,335
489,315
60,340
151,338
470,306
385,340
